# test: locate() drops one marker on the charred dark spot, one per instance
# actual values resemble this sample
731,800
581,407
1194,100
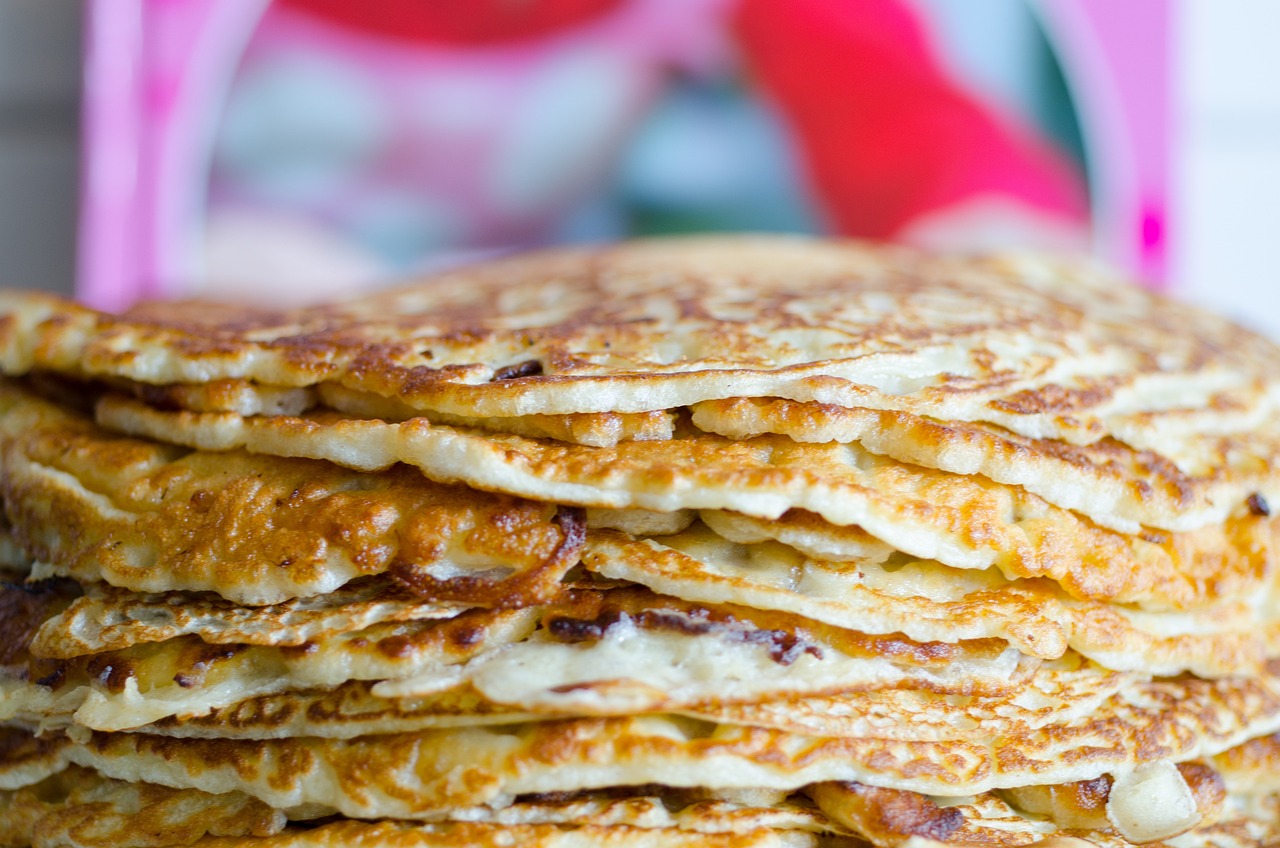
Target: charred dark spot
211,654
467,636
55,678
396,647
200,660
784,647
583,630
1092,794
528,368
111,674
1258,504
566,688
160,397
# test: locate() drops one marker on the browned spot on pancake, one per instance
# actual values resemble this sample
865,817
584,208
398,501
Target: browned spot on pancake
1054,398
304,649
528,368
886,816
783,647
522,588
197,659
110,671
398,646
18,746
1207,787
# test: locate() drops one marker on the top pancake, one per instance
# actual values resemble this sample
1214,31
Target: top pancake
1046,350
554,344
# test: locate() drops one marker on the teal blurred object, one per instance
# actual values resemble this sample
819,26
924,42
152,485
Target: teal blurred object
712,156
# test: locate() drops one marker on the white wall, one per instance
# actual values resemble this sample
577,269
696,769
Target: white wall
1227,158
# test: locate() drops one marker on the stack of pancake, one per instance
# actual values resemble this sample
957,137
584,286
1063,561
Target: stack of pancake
677,543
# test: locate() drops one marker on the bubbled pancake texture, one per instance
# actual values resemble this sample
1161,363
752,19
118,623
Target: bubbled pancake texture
703,542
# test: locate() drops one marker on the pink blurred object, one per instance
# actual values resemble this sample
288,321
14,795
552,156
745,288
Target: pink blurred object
158,73
154,72
1117,59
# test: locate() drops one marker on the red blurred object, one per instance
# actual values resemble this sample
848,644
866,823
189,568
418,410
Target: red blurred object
885,134
472,22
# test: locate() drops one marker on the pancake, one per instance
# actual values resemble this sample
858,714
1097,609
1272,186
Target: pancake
107,619
1191,479
343,712
1042,348
124,688
618,819
257,530
238,396
594,652
929,601
1194,478
1153,802
718,541
78,808
598,429
602,429
1253,767
82,808
1055,693
421,774
26,760
963,522
1148,805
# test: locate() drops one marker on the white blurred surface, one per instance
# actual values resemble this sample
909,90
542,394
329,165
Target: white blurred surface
1227,156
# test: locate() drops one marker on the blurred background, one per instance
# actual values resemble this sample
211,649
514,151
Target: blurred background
289,150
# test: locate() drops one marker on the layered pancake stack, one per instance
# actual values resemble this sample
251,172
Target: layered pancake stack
678,543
